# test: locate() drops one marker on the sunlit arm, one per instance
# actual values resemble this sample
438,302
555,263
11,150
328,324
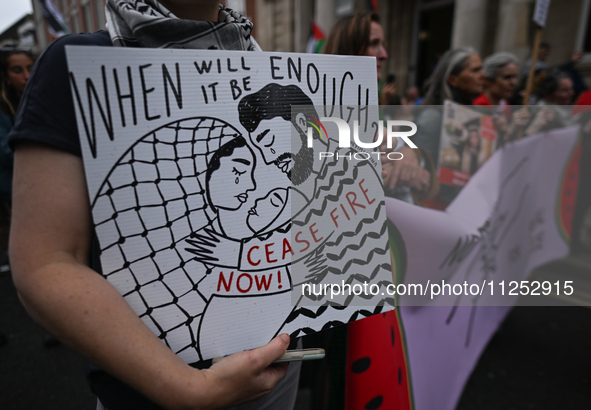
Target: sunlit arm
49,248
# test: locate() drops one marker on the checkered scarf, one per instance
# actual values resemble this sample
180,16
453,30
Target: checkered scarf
146,23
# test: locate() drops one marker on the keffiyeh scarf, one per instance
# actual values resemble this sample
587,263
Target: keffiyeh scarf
146,23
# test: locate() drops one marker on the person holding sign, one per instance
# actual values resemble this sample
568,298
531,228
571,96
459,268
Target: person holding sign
52,247
362,35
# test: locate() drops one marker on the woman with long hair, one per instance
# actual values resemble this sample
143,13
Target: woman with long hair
15,67
458,77
362,35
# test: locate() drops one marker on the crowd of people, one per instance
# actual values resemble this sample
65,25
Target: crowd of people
461,76
53,253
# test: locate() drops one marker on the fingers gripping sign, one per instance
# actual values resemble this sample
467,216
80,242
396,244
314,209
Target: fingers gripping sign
250,374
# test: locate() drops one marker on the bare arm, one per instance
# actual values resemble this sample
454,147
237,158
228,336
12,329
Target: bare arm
50,240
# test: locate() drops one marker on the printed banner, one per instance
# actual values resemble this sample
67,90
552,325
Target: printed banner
513,216
468,139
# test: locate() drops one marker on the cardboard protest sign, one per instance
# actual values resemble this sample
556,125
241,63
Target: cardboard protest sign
468,139
212,207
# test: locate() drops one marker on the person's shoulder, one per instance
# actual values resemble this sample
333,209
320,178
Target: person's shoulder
98,38
56,49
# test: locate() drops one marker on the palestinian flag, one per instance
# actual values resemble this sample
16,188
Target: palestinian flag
317,39
55,22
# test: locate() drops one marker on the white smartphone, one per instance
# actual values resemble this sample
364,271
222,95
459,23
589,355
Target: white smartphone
301,354
293,355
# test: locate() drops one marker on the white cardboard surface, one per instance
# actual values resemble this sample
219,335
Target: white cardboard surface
151,123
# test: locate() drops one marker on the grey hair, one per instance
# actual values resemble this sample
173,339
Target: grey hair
493,64
451,63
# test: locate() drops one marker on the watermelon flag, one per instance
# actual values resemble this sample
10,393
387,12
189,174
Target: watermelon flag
377,365
317,39
55,22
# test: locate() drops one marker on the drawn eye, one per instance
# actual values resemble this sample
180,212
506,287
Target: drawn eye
276,200
271,142
238,173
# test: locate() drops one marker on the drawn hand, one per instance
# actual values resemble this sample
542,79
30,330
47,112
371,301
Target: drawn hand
215,249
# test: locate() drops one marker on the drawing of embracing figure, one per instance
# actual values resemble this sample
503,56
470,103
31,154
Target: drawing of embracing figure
243,268
240,268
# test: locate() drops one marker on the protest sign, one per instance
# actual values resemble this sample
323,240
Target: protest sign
204,196
468,139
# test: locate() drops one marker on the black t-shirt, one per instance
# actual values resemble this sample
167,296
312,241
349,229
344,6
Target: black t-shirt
46,115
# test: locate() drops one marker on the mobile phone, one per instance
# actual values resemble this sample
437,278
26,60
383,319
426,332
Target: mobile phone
300,355
293,355
391,78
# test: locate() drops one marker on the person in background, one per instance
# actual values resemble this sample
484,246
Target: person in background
500,71
542,67
556,88
554,91
53,253
15,67
361,35
541,64
458,77
412,96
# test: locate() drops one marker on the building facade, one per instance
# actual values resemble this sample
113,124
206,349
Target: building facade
79,15
21,33
417,31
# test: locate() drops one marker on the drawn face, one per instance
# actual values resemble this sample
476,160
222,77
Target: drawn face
273,138
230,183
266,210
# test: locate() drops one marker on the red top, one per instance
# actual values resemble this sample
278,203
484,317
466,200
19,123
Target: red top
481,100
584,99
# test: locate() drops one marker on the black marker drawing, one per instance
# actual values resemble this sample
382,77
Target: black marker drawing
211,215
